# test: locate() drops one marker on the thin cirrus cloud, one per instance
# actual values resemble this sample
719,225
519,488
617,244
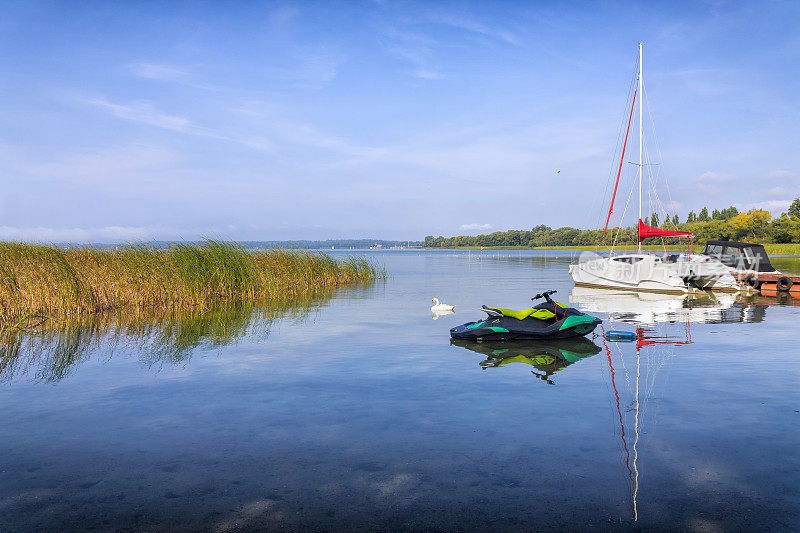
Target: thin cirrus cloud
504,35
276,127
147,113
422,49
154,71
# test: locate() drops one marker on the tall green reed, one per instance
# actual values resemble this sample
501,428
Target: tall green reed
46,281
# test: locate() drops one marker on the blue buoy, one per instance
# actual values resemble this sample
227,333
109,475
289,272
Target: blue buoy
620,336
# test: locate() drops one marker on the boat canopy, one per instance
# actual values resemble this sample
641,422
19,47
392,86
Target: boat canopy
740,255
646,232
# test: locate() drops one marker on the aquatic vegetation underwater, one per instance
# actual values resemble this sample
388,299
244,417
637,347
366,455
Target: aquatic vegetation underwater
52,282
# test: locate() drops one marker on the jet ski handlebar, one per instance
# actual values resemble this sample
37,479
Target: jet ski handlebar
545,295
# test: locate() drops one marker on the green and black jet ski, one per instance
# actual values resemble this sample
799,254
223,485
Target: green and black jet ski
548,320
547,357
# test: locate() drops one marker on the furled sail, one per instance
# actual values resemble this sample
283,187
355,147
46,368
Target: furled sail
646,231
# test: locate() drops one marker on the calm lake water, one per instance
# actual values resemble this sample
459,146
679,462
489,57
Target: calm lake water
356,412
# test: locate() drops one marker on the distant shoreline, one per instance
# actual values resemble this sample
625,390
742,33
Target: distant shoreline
772,249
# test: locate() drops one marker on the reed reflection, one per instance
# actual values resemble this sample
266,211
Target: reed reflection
45,349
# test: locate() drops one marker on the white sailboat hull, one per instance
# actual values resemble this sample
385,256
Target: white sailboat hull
647,272
705,272
635,272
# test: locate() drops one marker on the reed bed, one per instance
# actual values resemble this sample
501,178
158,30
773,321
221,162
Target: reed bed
783,249
41,280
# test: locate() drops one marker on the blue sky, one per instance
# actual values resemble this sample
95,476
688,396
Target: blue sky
273,120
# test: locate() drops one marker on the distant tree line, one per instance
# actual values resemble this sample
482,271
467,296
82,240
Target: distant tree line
756,225
327,244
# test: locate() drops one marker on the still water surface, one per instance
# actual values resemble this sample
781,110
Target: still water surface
356,412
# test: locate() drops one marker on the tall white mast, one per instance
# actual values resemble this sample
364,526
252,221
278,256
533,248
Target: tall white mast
640,141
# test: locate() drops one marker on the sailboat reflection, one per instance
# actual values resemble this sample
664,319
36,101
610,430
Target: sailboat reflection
658,344
651,308
546,357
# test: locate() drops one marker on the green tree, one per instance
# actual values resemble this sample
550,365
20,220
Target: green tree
654,219
703,216
691,217
729,213
675,220
754,223
794,209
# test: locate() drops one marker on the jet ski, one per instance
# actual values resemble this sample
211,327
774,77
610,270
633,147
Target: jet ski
548,320
547,357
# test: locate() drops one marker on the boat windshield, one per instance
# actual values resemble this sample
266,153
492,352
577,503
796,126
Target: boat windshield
628,259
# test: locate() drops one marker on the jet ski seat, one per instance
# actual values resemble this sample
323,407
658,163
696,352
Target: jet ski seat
533,312
550,311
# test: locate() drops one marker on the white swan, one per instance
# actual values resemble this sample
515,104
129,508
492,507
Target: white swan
438,307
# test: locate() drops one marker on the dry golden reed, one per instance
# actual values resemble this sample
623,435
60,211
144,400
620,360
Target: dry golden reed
57,282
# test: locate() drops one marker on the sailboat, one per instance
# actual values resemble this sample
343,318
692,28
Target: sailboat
677,273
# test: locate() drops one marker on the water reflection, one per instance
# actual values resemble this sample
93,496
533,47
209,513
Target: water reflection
651,308
546,357
633,371
45,350
436,315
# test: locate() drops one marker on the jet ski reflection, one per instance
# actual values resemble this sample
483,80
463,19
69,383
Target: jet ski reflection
548,357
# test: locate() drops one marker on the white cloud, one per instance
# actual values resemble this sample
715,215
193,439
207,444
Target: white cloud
775,207
105,234
154,71
715,177
475,226
781,175
778,191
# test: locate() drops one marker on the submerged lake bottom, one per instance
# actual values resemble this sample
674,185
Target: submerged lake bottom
356,412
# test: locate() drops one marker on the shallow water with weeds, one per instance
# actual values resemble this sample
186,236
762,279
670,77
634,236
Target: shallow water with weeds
352,410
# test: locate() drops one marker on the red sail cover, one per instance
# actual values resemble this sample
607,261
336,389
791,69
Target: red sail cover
646,231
